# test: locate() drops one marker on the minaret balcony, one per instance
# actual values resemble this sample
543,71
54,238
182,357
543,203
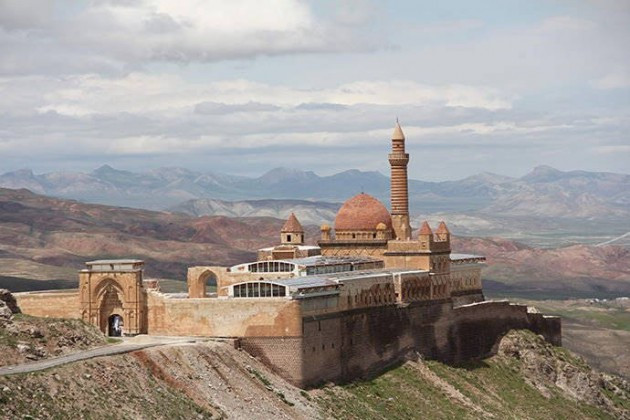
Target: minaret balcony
398,159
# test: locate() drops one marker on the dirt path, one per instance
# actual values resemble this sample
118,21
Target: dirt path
126,346
613,239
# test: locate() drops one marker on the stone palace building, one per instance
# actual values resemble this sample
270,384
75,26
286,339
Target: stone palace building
367,295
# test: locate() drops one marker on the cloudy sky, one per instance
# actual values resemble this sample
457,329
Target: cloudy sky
243,86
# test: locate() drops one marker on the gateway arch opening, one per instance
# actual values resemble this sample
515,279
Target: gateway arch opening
115,326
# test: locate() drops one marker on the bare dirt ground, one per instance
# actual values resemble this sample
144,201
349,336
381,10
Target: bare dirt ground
204,380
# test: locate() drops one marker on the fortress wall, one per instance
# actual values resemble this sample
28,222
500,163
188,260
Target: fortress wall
323,349
284,355
265,317
479,326
52,304
374,338
371,339
467,297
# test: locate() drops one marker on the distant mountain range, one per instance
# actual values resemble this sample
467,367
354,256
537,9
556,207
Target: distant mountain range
545,192
44,238
309,212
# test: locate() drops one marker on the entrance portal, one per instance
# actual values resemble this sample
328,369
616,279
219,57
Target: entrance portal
115,326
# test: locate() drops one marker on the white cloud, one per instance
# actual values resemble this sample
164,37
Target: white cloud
615,80
112,35
141,79
143,93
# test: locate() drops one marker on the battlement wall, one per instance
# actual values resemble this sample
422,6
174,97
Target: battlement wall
52,304
220,317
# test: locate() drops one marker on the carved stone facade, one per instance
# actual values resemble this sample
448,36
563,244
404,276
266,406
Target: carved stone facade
110,288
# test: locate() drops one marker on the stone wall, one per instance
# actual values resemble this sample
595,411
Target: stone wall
217,317
52,304
284,355
348,345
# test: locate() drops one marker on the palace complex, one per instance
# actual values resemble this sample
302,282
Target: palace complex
369,293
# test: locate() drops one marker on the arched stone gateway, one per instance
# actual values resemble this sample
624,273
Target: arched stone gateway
200,277
112,296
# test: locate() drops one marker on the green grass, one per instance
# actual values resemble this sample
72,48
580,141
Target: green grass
267,383
494,387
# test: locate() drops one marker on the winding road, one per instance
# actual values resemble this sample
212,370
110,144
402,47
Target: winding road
614,239
127,345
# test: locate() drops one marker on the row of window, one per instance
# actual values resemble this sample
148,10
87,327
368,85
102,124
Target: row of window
259,289
378,296
271,267
465,282
328,269
417,292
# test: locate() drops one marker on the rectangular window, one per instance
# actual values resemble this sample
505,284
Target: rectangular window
266,290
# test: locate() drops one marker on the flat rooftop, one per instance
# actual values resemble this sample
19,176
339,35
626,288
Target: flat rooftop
300,247
457,257
322,260
339,278
115,262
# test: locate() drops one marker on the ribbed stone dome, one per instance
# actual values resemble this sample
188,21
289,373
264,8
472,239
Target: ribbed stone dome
362,212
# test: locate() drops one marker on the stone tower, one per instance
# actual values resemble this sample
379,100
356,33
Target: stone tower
398,161
292,232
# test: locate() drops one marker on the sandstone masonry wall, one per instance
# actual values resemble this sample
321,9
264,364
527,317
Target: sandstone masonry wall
218,317
357,343
50,304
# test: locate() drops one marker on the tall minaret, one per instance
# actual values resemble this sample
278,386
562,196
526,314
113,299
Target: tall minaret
398,161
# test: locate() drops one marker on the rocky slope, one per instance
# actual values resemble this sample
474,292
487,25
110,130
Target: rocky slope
25,338
67,233
527,379
577,270
596,329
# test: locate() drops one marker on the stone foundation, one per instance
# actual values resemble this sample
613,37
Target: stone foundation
345,346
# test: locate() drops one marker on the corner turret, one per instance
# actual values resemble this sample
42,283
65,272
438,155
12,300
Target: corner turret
425,236
292,232
442,233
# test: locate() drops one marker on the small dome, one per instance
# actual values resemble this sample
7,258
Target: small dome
325,227
362,212
381,226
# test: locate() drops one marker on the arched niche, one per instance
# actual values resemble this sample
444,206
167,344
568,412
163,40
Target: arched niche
110,299
200,280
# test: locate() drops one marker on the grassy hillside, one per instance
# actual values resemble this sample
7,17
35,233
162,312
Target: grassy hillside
527,379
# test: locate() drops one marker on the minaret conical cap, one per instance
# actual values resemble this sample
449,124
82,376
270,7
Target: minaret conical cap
425,229
292,225
398,133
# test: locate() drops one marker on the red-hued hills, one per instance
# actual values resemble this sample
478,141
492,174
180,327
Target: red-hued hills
48,238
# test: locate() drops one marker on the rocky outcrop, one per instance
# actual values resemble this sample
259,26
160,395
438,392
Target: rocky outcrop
8,307
27,338
546,367
9,301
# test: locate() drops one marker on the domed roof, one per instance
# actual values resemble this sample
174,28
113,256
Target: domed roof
362,212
